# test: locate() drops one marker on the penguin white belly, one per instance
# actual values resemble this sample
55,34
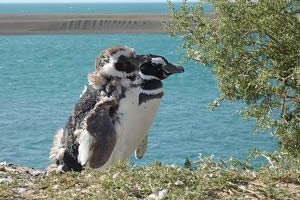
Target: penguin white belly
135,121
125,129
147,112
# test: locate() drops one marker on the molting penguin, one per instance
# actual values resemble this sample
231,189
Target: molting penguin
114,114
90,134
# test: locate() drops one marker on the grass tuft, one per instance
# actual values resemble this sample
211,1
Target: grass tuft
200,180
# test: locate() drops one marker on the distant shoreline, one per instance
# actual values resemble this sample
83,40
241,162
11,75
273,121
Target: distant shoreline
30,24
24,24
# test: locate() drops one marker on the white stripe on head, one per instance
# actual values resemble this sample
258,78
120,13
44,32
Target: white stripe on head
158,61
155,91
148,77
110,70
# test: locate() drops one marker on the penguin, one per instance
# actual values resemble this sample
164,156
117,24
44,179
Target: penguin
75,144
152,73
113,115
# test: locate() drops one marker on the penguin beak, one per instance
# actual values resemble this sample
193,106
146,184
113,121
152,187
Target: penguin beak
170,69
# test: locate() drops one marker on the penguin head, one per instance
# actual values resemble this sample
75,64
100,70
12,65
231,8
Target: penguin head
157,67
118,61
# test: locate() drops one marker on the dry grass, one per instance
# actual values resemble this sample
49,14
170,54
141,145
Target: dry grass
206,181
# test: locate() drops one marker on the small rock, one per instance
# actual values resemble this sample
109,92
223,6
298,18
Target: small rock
162,194
20,190
88,176
6,180
10,169
37,173
102,178
152,196
211,176
116,175
3,163
242,187
83,191
55,187
29,184
178,182
2,168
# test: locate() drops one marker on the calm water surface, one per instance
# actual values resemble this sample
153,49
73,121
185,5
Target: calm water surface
41,78
89,8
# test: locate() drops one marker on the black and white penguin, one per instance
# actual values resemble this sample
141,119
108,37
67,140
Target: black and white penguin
152,73
113,116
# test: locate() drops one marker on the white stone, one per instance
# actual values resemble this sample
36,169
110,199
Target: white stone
20,190
152,196
3,163
178,182
116,175
88,176
162,194
6,180
55,187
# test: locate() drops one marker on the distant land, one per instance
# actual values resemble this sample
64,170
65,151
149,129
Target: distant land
81,23
18,24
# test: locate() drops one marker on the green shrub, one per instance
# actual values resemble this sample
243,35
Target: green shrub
253,48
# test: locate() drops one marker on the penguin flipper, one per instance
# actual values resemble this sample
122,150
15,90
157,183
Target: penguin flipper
142,148
100,133
74,130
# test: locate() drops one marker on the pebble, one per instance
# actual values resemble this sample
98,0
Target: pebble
210,175
55,187
102,178
178,182
116,175
2,168
6,180
161,195
152,196
20,190
3,163
242,187
37,173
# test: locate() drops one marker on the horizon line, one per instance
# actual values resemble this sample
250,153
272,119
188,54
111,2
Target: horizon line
87,2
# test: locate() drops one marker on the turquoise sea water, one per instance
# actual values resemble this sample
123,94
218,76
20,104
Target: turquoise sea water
42,76
90,8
